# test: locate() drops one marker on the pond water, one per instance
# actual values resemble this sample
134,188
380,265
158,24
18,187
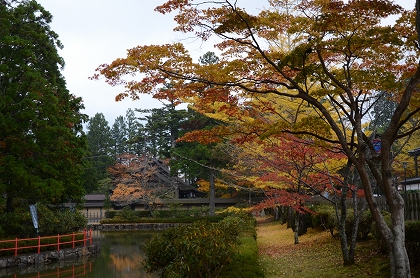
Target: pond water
120,257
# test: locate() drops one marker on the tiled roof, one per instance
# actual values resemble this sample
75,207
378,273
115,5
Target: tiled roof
94,197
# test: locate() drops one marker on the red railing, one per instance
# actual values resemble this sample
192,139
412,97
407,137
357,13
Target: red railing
87,237
74,271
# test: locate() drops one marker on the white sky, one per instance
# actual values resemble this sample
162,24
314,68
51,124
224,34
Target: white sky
94,32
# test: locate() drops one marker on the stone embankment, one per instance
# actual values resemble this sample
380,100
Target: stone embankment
131,226
48,260
38,262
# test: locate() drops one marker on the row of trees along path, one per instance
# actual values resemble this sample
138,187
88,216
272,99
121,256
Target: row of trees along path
314,69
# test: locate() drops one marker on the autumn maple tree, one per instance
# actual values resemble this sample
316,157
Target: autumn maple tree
339,56
289,171
138,178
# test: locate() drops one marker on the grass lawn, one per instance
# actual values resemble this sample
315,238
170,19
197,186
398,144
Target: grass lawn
317,255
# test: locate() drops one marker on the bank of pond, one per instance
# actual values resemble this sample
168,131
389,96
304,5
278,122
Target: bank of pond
220,246
120,255
124,252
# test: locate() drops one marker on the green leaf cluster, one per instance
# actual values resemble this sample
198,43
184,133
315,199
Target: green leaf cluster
51,221
412,241
41,138
200,249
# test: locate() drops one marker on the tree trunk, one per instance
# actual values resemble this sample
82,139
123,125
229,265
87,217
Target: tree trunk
355,228
296,224
276,213
394,236
212,206
347,260
400,264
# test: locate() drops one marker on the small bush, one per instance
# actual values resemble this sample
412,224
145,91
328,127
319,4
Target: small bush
17,224
175,211
142,213
365,224
110,213
412,241
200,249
163,214
324,218
197,211
127,213
375,231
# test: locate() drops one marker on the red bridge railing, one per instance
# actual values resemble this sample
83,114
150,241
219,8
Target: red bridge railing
58,241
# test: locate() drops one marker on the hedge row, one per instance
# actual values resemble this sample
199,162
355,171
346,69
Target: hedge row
174,211
412,241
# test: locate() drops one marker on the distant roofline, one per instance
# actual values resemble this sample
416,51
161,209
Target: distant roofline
414,180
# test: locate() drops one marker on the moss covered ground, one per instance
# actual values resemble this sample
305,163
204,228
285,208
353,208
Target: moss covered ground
317,255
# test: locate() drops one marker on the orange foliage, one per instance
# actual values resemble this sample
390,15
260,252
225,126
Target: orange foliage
135,178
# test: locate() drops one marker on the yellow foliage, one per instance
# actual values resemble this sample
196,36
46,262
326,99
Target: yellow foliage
235,210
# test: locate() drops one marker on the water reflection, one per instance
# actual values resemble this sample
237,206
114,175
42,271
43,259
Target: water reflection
120,257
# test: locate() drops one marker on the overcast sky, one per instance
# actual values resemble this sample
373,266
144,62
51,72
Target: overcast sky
94,32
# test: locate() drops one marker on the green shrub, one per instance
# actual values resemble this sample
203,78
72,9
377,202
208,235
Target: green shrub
175,211
51,221
375,231
17,224
377,235
142,213
110,213
163,214
200,249
365,224
324,218
120,219
127,213
197,211
412,241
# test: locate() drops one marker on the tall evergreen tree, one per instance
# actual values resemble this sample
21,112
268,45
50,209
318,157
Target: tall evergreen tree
119,136
161,129
99,135
198,161
209,58
135,136
191,158
41,137
100,147
382,111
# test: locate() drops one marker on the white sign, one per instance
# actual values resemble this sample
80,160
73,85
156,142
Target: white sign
34,215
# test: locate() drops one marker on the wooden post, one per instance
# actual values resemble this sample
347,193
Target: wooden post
58,242
39,244
16,247
84,237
